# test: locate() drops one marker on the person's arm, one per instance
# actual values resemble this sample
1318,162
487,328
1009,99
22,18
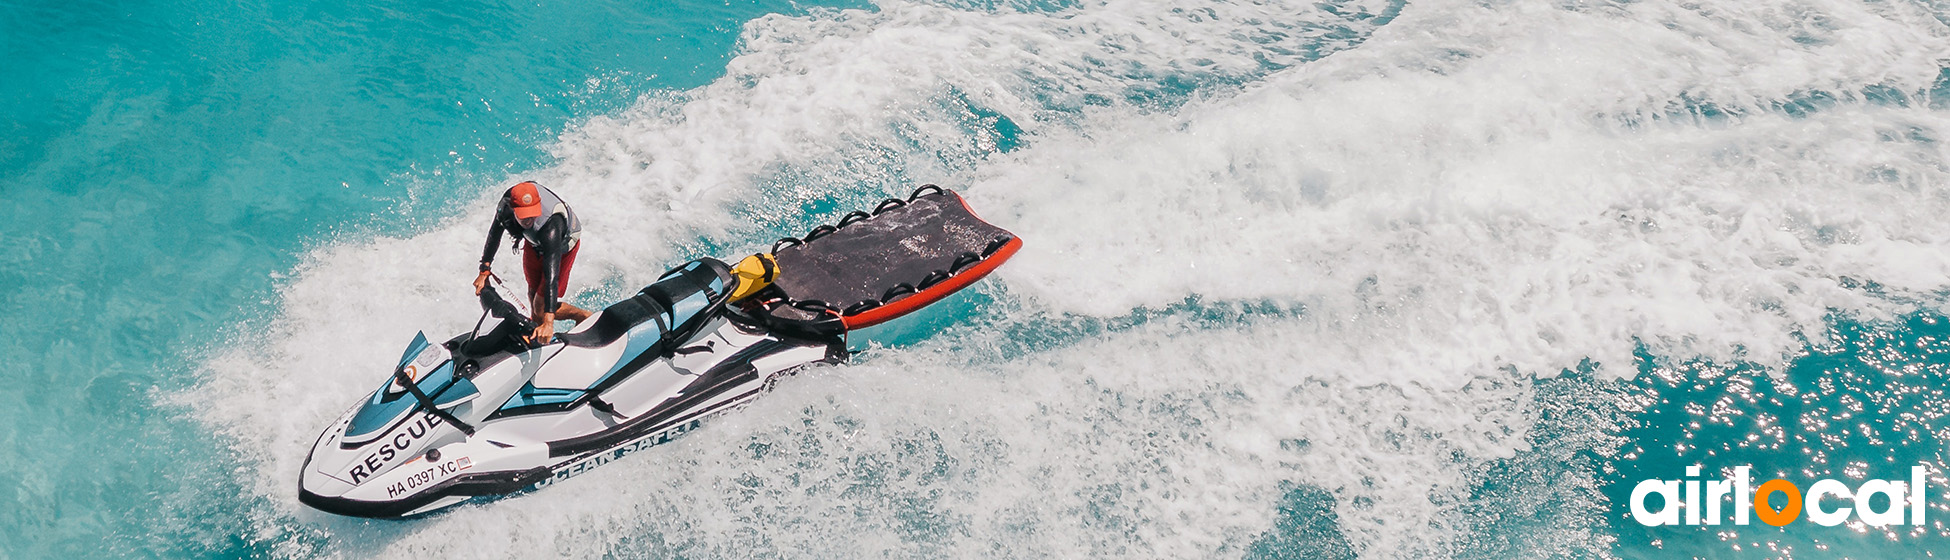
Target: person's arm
494,239
553,247
487,253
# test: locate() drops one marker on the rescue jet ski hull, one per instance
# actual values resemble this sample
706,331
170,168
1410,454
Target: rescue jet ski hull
441,466
483,414
506,418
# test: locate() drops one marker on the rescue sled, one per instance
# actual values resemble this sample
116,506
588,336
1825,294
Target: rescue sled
873,267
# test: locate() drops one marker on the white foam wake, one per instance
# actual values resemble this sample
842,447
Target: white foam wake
1475,195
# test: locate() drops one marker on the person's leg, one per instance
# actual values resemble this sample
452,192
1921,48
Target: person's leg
531,269
563,310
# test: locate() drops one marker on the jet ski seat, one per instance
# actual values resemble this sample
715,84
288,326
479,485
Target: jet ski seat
611,323
677,301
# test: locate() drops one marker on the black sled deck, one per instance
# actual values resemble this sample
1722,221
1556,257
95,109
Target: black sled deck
875,266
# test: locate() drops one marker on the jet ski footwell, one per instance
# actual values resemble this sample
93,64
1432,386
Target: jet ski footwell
484,415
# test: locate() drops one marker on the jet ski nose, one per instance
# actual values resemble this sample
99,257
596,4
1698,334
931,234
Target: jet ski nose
381,478
322,492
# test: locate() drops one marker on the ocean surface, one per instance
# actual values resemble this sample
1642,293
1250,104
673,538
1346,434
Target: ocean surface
1302,279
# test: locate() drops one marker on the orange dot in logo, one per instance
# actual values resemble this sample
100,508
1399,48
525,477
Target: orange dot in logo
1766,511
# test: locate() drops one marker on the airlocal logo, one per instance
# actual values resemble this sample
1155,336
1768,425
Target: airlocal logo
1778,502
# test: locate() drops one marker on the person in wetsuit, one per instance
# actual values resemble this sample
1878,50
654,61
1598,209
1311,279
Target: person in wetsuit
549,235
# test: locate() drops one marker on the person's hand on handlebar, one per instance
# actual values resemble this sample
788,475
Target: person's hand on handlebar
544,330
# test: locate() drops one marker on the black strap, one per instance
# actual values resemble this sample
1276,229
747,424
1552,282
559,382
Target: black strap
897,291
399,376
862,307
820,231
813,305
853,217
966,259
933,278
663,328
925,188
996,245
598,403
704,285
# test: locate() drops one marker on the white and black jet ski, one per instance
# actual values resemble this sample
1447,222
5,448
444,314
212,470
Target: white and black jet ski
483,414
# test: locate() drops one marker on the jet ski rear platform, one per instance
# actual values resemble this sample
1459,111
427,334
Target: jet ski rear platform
484,414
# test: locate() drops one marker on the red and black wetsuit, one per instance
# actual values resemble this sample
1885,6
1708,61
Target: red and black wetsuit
549,243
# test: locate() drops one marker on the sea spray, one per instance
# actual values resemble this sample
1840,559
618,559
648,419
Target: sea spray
1447,201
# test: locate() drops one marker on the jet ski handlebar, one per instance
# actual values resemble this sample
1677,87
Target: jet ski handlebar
494,304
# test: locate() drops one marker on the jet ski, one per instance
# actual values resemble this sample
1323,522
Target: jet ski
484,414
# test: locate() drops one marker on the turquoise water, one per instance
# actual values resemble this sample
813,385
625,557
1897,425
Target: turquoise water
169,163
1303,280
1876,389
